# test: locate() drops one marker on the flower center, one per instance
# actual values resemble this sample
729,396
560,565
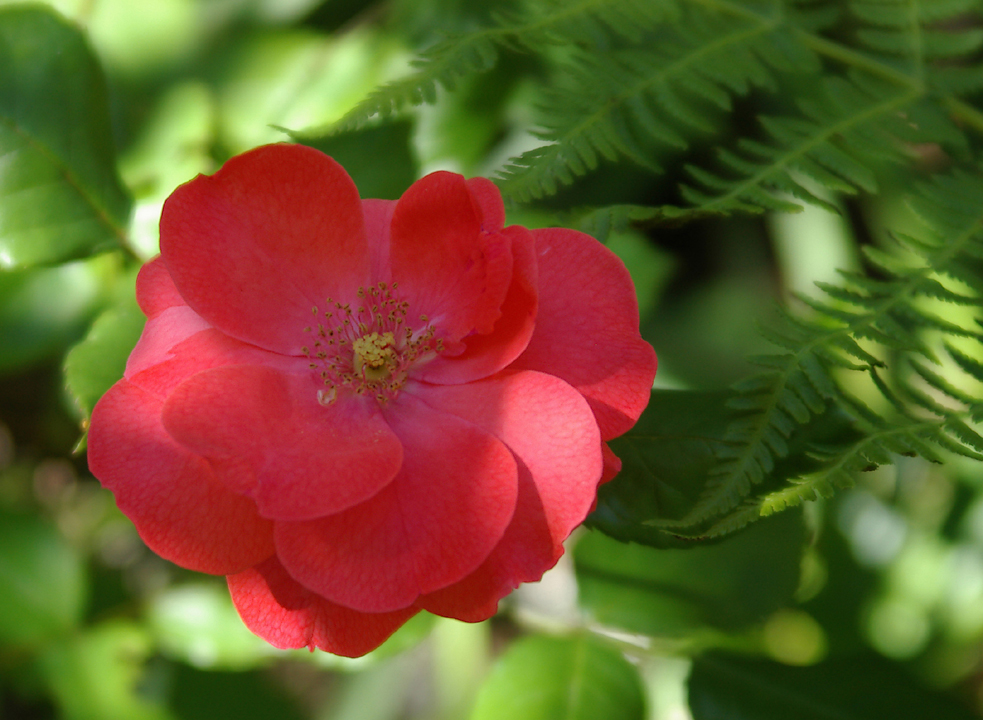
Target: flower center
368,349
374,354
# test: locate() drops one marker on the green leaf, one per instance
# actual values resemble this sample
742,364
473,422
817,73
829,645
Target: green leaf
377,158
95,675
44,310
198,624
668,459
254,695
60,196
727,586
42,583
859,687
552,678
97,362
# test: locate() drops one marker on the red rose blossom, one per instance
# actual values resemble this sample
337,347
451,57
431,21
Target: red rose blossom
358,409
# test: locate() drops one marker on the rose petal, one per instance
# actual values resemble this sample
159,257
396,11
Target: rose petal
179,508
308,460
272,234
435,523
484,355
446,267
378,219
159,364
587,328
612,465
525,552
285,614
551,430
155,289
160,335
489,201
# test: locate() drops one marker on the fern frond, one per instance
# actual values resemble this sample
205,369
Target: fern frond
841,466
455,58
616,105
800,491
888,311
901,87
851,129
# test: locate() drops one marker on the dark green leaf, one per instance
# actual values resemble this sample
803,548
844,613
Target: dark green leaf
377,158
670,455
42,583
551,678
860,687
60,196
200,695
666,459
728,586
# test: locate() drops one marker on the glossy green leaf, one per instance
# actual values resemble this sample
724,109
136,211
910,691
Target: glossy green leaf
726,586
60,196
42,582
551,678
859,687
97,362
96,674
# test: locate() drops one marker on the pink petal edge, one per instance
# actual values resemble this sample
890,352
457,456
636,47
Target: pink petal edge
587,328
180,509
551,430
287,615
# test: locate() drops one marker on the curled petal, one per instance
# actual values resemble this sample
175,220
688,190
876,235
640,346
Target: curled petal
587,328
272,234
155,289
435,523
612,464
552,432
484,355
287,615
446,267
163,331
308,460
179,507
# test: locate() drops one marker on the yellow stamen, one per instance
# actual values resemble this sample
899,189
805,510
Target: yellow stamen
373,353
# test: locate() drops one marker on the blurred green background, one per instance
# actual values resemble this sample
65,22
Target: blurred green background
869,605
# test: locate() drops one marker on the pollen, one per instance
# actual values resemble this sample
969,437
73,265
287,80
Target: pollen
370,348
374,355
